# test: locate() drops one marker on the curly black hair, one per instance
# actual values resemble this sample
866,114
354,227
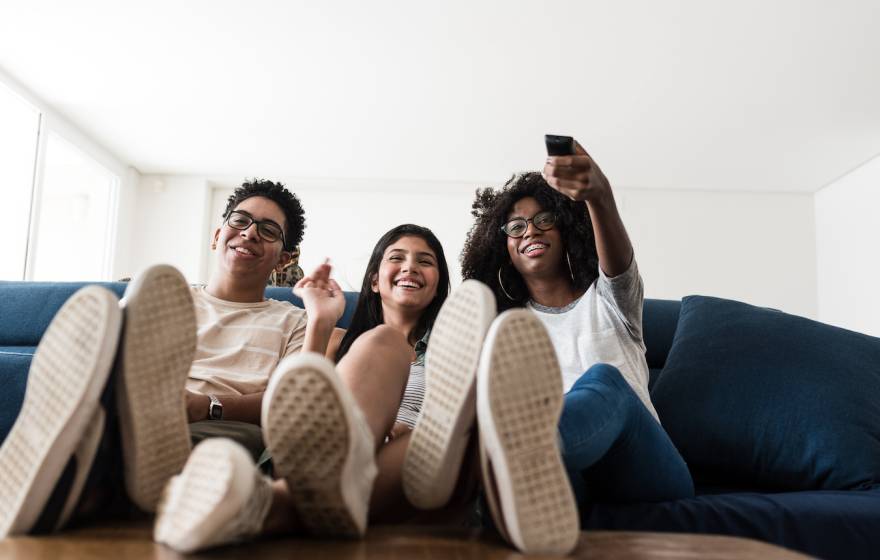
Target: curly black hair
485,250
277,193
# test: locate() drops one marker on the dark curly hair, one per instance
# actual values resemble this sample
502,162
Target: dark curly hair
368,312
485,250
277,193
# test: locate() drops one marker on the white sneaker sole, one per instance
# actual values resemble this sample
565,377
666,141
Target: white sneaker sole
199,505
438,442
156,353
319,445
84,454
67,375
519,401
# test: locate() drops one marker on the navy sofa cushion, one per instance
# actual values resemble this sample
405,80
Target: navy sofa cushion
825,524
759,398
28,307
13,381
659,319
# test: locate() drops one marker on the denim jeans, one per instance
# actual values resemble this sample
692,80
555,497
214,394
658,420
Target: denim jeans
613,448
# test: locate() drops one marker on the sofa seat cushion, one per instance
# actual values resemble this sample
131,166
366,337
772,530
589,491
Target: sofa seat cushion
825,524
14,366
759,398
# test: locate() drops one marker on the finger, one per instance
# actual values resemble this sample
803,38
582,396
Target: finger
582,161
334,287
568,173
573,189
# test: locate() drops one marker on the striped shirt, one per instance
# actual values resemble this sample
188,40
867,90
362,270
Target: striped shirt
240,344
414,394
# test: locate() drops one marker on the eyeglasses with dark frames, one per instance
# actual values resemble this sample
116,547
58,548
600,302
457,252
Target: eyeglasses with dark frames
517,227
268,230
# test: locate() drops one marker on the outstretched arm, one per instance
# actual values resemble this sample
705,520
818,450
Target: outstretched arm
579,178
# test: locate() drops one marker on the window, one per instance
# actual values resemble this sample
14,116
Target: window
18,151
74,218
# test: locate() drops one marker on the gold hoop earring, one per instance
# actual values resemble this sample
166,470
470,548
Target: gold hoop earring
501,284
570,269
213,246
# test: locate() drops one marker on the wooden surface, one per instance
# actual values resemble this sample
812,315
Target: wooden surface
131,541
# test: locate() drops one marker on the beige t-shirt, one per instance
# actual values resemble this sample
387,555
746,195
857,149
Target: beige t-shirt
240,344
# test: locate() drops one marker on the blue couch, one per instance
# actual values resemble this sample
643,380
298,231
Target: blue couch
779,452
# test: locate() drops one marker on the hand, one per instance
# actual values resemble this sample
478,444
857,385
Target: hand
577,177
196,406
322,297
398,430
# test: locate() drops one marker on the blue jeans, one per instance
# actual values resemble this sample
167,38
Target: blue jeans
613,448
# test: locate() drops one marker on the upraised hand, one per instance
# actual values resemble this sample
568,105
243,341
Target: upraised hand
577,177
322,297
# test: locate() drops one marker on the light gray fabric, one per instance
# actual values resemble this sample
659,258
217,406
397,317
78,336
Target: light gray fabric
604,326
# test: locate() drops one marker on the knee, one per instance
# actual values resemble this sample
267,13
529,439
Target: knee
382,342
606,374
381,335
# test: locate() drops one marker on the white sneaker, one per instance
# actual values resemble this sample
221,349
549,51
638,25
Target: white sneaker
66,378
156,353
320,444
519,401
219,498
438,442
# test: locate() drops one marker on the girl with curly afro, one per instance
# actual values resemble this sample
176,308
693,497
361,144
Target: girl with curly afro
562,392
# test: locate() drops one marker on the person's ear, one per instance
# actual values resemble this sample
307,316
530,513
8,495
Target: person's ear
284,258
374,283
214,241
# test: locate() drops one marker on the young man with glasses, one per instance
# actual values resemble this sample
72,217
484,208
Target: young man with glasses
191,362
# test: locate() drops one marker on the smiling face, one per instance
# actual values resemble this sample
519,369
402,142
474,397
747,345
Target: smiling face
537,254
245,252
408,275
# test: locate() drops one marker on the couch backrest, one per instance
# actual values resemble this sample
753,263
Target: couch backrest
26,308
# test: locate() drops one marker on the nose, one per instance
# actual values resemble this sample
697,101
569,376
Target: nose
531,229
251,232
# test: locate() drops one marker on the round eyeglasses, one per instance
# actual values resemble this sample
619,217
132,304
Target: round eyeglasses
268,230
517,227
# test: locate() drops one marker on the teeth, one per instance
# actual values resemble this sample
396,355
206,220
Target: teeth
534,247
407,284
243,250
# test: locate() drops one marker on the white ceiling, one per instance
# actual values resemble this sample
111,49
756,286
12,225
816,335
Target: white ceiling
759,95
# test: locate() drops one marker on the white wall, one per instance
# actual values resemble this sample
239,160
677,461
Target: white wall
758,248
170,224
848,245
752,247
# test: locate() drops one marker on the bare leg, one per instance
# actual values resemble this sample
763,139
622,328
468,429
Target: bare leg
282,518
388,504
376,369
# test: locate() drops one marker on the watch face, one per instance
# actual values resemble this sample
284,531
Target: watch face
216,412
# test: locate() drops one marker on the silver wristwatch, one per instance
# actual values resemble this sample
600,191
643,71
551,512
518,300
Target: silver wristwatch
215,409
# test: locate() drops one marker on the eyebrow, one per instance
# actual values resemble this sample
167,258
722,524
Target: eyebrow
251,216
523,217
419,254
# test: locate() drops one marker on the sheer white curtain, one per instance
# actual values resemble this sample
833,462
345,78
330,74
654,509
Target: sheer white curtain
19,128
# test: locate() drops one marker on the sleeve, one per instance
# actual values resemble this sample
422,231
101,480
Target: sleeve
625,294
297,336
